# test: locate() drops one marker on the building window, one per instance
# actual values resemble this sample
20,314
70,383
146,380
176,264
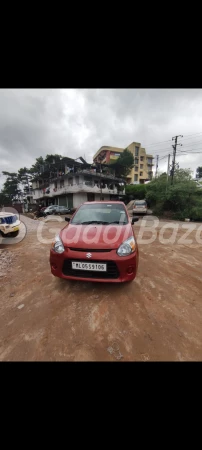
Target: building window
141,174
136,168
136,161
135,177
141,166
136,151
141,158
149,161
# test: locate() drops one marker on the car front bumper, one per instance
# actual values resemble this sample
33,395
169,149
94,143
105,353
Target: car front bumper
6,229
139,211
121,269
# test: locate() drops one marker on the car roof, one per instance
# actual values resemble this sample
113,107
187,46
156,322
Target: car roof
104,201
3,214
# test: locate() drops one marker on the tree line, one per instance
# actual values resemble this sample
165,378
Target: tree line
18,184
180,200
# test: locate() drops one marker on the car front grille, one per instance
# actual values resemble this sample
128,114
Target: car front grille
91,250
112,270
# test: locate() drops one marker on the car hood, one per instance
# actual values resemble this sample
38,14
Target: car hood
95,236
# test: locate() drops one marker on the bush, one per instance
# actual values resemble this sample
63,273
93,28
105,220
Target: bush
196,213
136,191
182,199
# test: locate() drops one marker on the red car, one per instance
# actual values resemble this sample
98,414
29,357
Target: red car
98,244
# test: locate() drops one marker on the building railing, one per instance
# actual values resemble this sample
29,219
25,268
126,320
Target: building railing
85,186
91,172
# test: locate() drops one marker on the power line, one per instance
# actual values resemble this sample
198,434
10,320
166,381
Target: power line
191,135
184,145
188,153
191,143
157,143
163,157
169,140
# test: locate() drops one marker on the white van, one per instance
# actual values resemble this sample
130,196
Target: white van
9,224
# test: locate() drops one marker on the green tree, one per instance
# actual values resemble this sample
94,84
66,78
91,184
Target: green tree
42,166
182,199
136,191
123,164
25,179
11,186
4,199
199,172
37,168
53,159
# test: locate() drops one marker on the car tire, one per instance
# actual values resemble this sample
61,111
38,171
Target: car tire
14,234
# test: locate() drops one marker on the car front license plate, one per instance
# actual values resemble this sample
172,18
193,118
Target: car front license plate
15,228
98,267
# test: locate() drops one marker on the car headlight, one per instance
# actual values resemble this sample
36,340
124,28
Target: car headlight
58,246
127,247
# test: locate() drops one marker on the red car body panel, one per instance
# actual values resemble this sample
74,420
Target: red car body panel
102,241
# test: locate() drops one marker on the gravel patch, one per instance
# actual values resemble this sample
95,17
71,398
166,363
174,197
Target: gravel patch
6,260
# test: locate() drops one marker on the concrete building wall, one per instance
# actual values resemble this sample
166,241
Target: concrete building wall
97,197
79,198
141,171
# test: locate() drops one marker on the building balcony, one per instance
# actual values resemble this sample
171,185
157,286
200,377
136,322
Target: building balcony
76,188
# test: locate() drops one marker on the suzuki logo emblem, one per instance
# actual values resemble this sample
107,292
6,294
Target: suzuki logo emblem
88,255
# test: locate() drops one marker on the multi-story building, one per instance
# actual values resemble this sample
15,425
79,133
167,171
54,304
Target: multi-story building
76,185
143,162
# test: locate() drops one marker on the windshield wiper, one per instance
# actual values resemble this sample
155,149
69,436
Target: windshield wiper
117,221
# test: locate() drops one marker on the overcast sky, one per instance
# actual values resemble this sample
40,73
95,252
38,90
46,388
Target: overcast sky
77,122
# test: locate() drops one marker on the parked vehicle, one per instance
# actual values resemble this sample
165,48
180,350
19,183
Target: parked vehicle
50,209
9,224
140,207
98,244
56,209
63,210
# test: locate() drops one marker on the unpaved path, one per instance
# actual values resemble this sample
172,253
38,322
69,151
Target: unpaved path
157,317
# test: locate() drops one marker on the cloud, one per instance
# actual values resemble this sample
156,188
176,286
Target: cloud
34,122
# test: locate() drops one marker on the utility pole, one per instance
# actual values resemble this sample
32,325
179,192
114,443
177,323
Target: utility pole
157,160
174,155
168,170
100,182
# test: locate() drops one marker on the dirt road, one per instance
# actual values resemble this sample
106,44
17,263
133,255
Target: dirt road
158,317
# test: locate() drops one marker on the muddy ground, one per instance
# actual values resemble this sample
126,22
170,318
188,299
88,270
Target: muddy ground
157,317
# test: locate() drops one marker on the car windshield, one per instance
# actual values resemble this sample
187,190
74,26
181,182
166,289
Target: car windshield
101,213
140,203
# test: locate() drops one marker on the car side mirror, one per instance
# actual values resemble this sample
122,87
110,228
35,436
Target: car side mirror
67,219
135,219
